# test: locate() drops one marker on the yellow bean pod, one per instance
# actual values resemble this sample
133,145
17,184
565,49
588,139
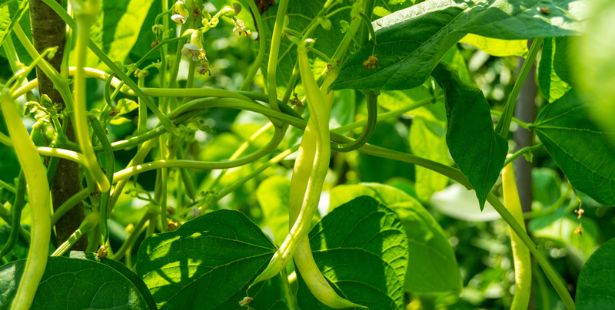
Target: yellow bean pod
521,254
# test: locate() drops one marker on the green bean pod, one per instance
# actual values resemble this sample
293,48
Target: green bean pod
309,175
40,202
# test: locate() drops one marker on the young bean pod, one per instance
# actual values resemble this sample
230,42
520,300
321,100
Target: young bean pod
40,203
521,254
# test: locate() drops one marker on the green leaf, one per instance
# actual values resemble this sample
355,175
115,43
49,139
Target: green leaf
70,283
124,271
578,147
476,148
497,47
272,196
596,285
432,263
561,227
552,85
411,42
10,13
207,263
427,139
362,249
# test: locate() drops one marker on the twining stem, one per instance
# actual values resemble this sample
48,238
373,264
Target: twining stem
86,13
88,224
262,45
509,109
40,204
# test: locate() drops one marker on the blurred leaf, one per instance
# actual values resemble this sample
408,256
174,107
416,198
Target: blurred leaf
272,195
596,285
343,110
187,269
99,286
427,139
496,47
561,227
362,249
580,149
476,148
10,13
594,64
546,186
432,264
411,42
458,202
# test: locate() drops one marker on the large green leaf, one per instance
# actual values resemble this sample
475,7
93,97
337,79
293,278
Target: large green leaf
432,265
205,264
596,285
362,249
70,283
410,42
578,147
476,148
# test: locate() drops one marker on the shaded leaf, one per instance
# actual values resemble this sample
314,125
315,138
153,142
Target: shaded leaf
207,263
362,249
432,266
70,283
476,148
596,285
578,147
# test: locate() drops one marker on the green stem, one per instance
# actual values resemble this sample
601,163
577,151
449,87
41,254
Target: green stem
80,118
70,203
18,204
523,151
130,241
88,224
109,164
509,109
262,45
164,120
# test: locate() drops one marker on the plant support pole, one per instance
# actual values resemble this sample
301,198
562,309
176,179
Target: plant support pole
48,30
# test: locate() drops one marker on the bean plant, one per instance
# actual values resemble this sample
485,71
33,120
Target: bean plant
254,154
